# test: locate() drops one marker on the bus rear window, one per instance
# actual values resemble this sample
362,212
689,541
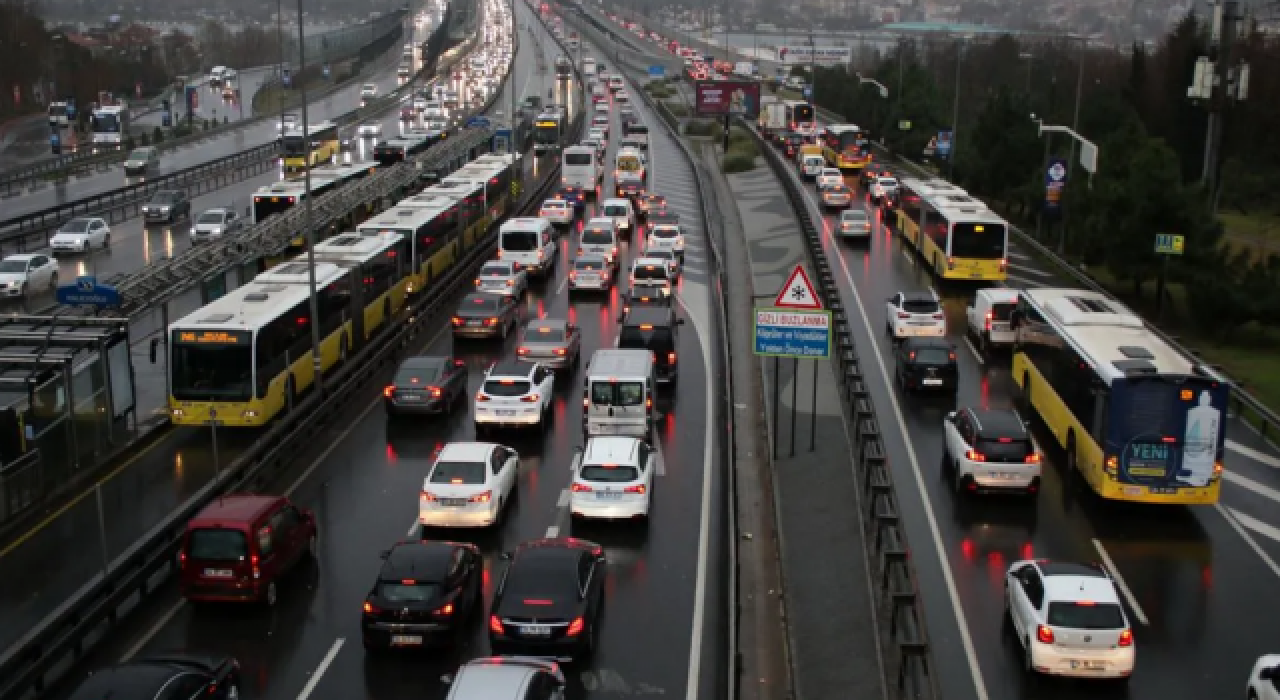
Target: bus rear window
578,159
519,240
984,241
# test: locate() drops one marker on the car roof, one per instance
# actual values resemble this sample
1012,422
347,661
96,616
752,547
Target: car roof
1067,581
998,422
511,368
421,561
509,264
548,323
482,678
465,451
649,315
610,450
143,678
918,341
423,362
235,508
554,202
605,221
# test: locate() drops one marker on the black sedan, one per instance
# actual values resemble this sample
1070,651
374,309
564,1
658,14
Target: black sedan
485,315
426,384
166,206
572,194
549,601
425,594
212,677
927,363
640,296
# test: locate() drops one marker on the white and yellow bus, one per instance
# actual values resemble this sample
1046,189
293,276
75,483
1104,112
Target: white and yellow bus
325,146
1138,420
379,265
956,234
845,147
429,222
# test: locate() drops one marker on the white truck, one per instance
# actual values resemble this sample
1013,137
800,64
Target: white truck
745,69
988,318
773,119
589,67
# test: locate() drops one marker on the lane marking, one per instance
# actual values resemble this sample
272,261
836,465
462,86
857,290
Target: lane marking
1026,281
976,355
659,469
1255,486
1032,271
1266,530
1120,583
563,501
966,638
553,532
324,666
153,631
1231,518
1255,455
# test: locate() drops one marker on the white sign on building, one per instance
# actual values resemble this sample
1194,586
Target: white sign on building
820,55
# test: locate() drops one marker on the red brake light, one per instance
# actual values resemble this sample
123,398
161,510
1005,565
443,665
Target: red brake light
182,559
481,497
974,456
446,610
369,609
580,488
1126,638
490,321
522,351
638,488
1044,634
1033,458
457,321
560,351
481,396
495,625
671,358
903,314
435,392
575,627
531,398
389,391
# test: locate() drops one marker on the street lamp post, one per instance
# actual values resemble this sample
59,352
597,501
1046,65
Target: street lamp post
955,115
1088,160
884,95
317,364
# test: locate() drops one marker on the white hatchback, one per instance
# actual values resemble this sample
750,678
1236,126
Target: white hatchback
613,479
1264,681
468,485
666,237
915,314
514,394
830,176
621,211
557,211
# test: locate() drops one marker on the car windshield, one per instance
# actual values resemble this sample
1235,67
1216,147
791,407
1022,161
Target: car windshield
932,356
609,473
75,226
217,544
856,215
506,387
401,592
163,197
519,240
139,154
920,306
481,303
211,217
458,473
495,270
1092,616
13,266
617,393
597,236
416,375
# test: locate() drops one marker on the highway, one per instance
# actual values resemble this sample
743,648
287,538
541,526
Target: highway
363,486
1193,577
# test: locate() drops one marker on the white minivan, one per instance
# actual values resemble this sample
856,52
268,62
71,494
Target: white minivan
579,168
529,241
618,393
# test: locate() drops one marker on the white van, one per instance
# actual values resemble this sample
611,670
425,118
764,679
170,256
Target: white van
580,168
615,83
589,67
618,393
529,241
811,166
600,237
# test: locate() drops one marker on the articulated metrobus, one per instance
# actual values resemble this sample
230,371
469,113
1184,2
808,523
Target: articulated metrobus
281,196
325,146
845,147
1139,420
800,117
957,235
430,223
247,355
110,126
379,267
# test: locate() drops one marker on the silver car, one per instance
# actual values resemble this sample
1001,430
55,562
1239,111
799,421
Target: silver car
142,161
553,343
591,273
669,256
503,277
215,223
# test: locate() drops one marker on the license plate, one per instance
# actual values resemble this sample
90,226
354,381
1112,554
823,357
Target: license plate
1088,665
410,397
505,413
608,496
405,640
536,631
475,323
603,428
933,382
218,573
453,502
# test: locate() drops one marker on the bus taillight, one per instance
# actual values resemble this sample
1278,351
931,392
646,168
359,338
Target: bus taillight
1111,465
951,263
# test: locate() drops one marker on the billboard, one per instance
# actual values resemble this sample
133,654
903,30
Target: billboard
820,55
732,97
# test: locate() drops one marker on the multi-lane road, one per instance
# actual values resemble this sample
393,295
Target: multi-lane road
660,633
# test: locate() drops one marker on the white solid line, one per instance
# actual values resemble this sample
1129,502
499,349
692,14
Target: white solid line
1120,583
1031,270
1265,529
1253,454
1255,486
413,528
153,631
573,463
563,283
659,469
563,501
1026,281
1020,256
1230,516
966,638
976,355
553,532
319,672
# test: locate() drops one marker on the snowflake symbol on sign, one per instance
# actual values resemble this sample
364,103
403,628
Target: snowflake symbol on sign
798,292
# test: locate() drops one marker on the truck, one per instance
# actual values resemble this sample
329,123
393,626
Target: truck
589,67
773,119
745,69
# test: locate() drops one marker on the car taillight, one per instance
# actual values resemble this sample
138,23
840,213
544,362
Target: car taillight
575,627
988,322
671,358
457,321
1126,638
481,396
490,321
426,496
371,609
531,398
1044,634
481,497
560,351
573,274
586,402
1033,458
477,281
903,314
495,625
541,254
182,559
638,488
445,611
938,317
580,488
511,283
974,456
389,391
435,392
522,351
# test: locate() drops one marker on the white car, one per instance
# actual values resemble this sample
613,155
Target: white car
25,273
503,277
514,394
854,223
621,211
557,211
288,122
666,237
915,314
601,122
613,479
883,187
602,140
990,450
80,234
372,129
468,485
368,90
596,144
988,317
1264,681
669,256
830,176
1069,620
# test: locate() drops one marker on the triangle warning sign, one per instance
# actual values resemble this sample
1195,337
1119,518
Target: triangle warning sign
798,292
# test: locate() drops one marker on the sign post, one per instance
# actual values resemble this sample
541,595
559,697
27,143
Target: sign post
1167,245
798,327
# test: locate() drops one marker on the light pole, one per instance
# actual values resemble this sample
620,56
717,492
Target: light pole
955,114
1030,58
1088,160
882,91
280,67
317,364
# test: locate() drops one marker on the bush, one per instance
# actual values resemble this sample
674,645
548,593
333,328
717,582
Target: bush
739,162
676,109
739,136
701,127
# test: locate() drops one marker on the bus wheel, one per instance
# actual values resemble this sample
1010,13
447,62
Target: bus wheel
1073,467
290,396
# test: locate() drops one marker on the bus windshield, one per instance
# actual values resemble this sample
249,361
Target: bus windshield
802,113
106,123
849,143
220,371
547,132
268,206
984,241
295,145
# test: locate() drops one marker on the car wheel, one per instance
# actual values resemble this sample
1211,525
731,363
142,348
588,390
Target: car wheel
958,481
270,598
53,280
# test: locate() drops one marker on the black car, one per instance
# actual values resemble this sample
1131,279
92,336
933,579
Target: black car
549,600
426,384
175,676
928,364
650,203
791,143
425,594
167,206
642,296
572,194
485,315
653,328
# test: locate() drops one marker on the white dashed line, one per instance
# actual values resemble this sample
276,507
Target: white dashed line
312,682
1120,583
553,532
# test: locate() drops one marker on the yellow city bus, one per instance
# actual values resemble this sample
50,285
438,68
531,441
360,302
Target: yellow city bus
379,266
430,227
245,357
1137,419
845,147
957,235
325,146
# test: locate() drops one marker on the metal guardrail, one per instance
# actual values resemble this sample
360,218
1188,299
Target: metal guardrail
32,665
65,165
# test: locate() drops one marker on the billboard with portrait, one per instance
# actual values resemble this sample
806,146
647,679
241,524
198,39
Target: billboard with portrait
716,98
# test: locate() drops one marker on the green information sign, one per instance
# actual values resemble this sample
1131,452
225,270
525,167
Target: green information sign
1169,244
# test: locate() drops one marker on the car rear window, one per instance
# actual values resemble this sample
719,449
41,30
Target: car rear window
458,473
920,306
615,210
546,335
597,236
1005,449
658,340
1094,616
933,356
617,393
588,265
217,544
609,473
506,387
666,232
495,271
416,375
481,303
1001,312
400,592
649,272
